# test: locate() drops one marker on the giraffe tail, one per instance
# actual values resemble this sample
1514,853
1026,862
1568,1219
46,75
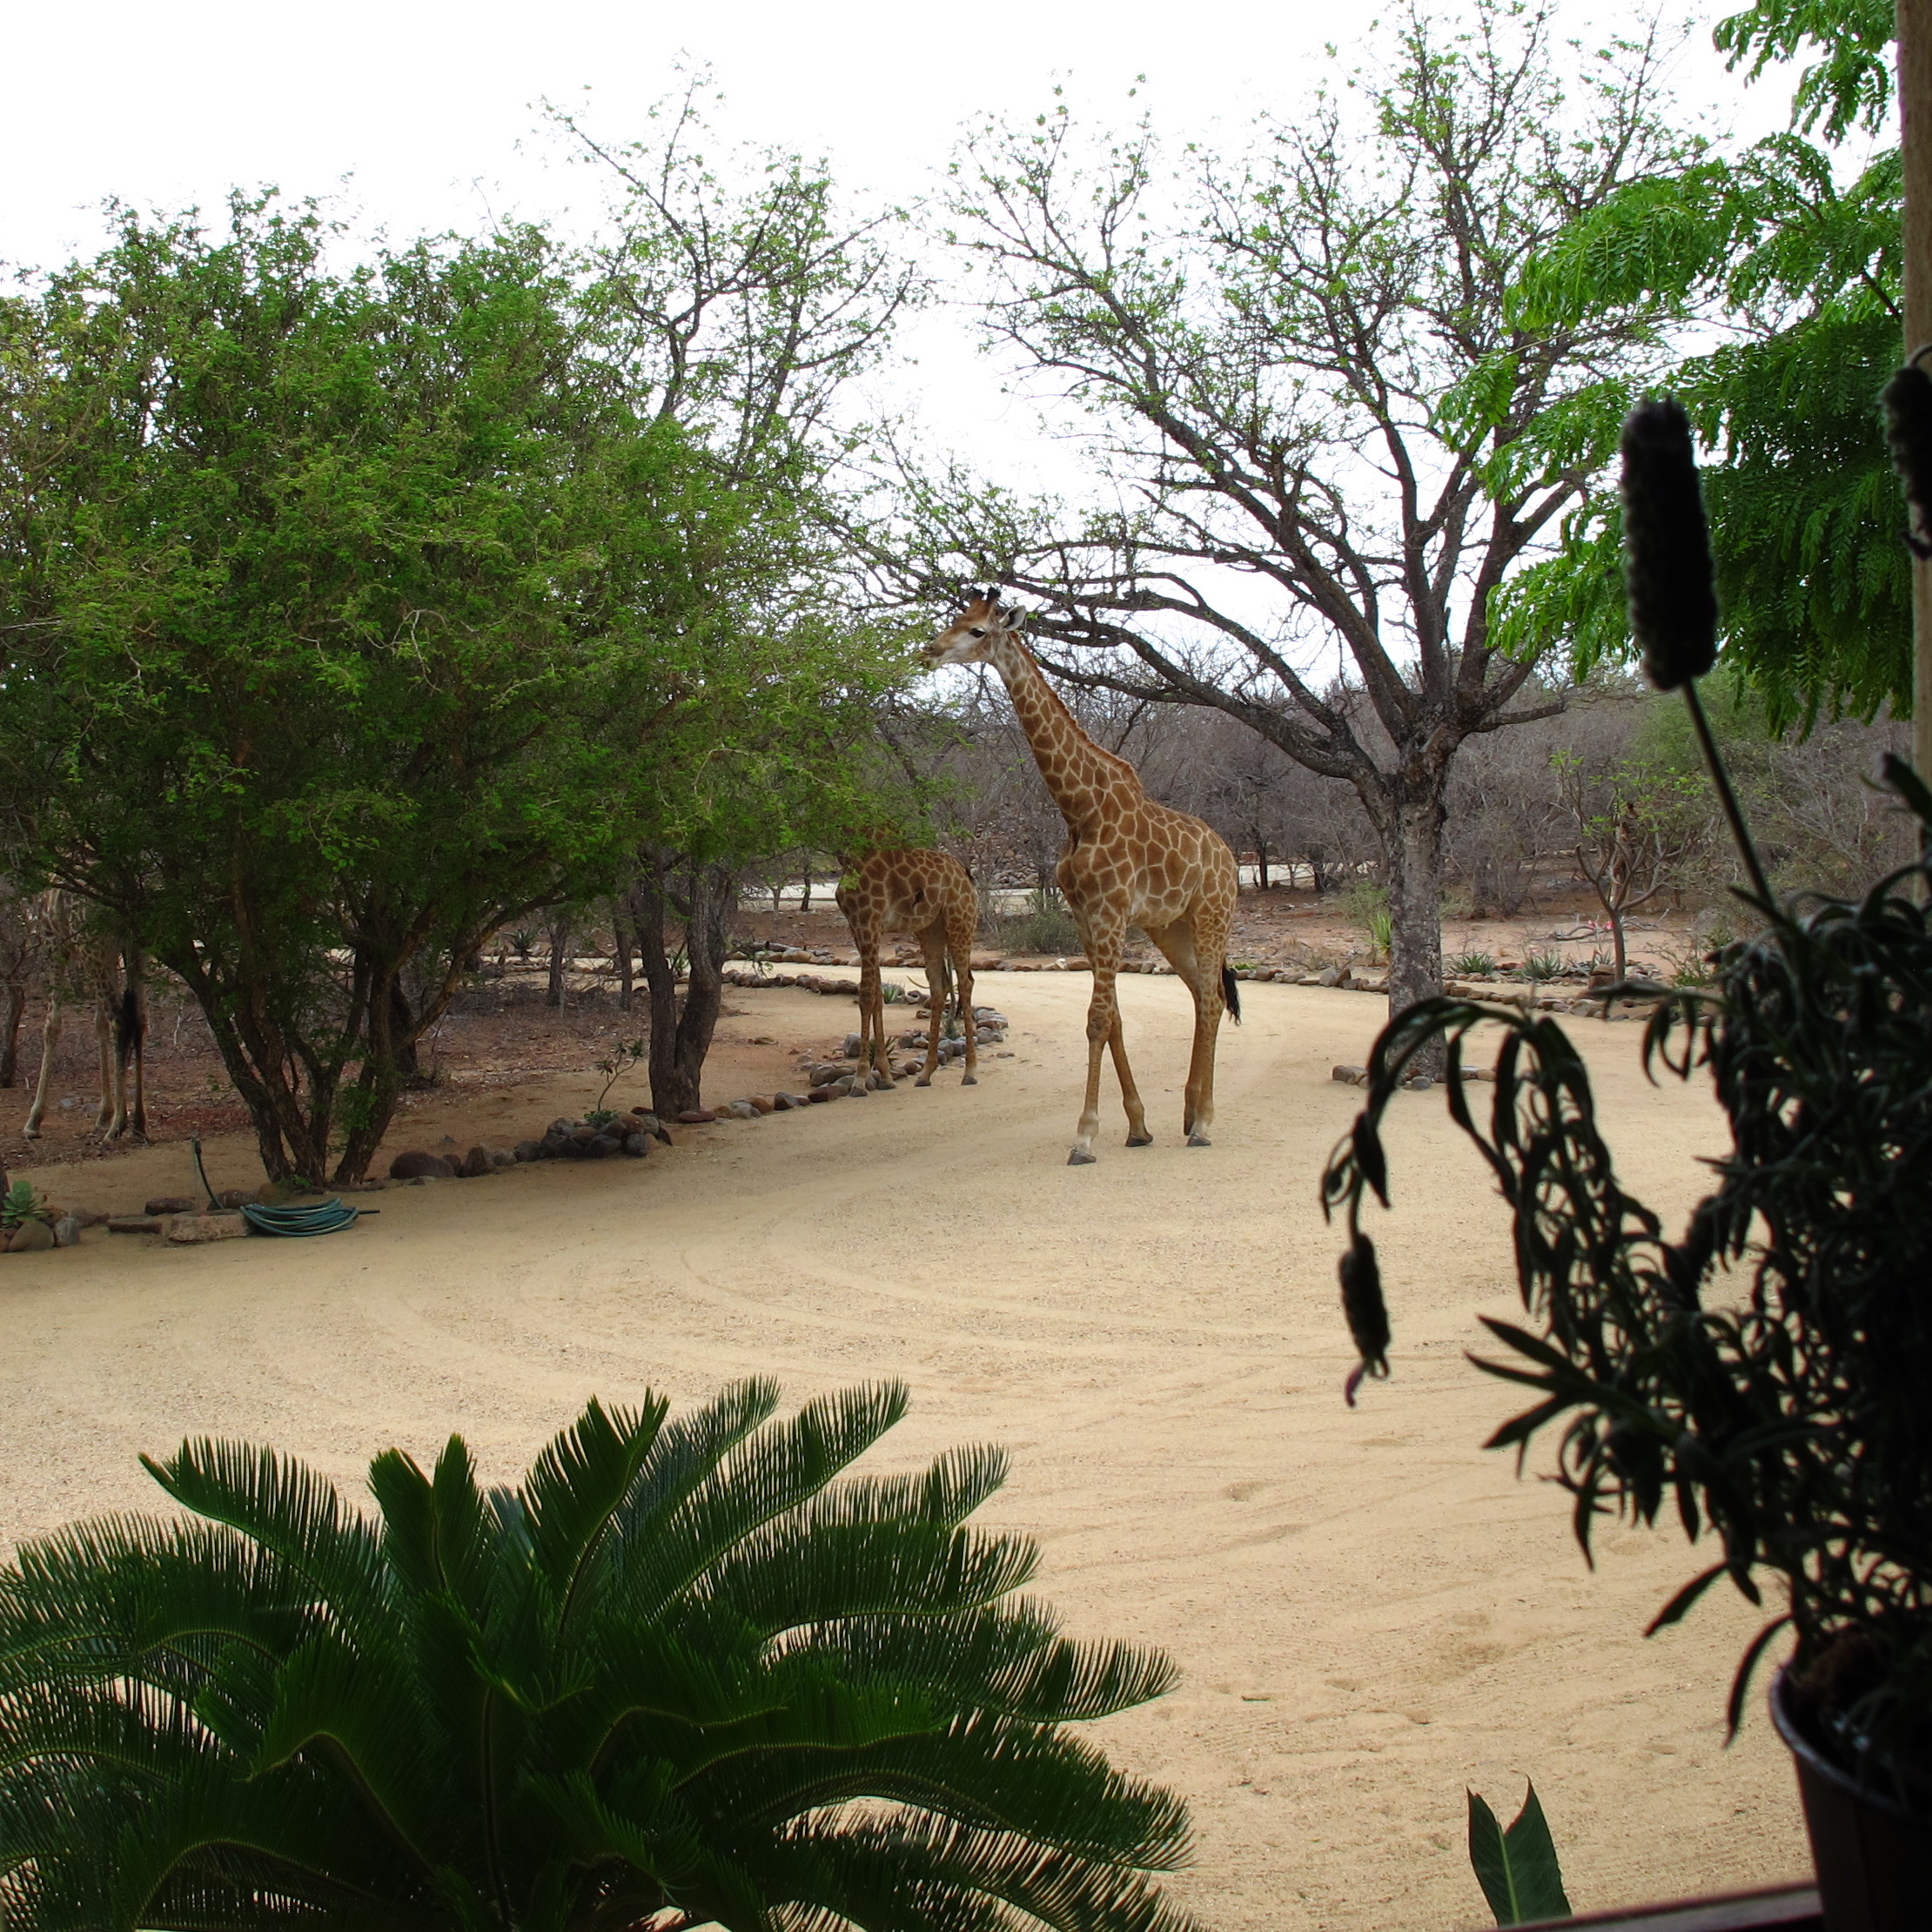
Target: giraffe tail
1230,992
127,1027
943,994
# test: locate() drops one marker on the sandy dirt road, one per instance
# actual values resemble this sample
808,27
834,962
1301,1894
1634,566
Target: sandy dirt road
1370,1612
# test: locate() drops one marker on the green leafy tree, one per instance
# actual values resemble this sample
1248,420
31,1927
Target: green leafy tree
797,762
1798,272
341,613
351,616
1802,276
1311,403
689,1672
1849,83
743,302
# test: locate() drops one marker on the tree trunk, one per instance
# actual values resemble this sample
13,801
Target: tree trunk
1411,826
402,1029
559,942
712,897
9,1033
292,1128
651,902
623,944
367,1106
681,1027
1914,22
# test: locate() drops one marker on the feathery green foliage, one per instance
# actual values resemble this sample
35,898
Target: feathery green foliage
690,1671
1796,1426
1801,272
1851,84
1813,587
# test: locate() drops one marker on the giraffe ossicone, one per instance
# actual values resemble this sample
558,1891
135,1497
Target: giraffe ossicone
1129,861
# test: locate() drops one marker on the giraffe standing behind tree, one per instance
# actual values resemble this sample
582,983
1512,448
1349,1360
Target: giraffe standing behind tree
930,896
1130,861
89,966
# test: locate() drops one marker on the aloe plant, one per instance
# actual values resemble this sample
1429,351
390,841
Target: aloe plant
21,1203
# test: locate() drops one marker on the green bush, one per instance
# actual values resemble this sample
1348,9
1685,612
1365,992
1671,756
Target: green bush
1045,927
688,1672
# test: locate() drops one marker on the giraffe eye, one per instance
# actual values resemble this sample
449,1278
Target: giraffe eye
979,630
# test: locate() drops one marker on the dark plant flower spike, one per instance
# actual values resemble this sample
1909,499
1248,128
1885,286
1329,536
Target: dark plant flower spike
1368,1315
1667,546
1907,400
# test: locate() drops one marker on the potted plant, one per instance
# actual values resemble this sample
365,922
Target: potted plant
1793,1425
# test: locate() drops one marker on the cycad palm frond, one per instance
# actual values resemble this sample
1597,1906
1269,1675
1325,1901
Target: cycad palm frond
689,1670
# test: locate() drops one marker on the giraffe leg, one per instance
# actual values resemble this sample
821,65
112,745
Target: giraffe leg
871,1015
1103,948
1137,1135
1200,966
49,1044
110,1116
1213,928
130,1039
866,935
141,1067
936,1004
960,926
1208,1009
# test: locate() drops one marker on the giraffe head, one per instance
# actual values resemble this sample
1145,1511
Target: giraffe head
973,634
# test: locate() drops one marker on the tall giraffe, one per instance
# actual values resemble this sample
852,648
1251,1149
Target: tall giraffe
929,895
86,965
1130,861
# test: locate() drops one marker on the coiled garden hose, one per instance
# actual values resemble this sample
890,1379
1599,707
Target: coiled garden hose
320,1217
316,1218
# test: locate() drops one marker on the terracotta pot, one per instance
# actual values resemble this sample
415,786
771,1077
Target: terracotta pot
1874,1857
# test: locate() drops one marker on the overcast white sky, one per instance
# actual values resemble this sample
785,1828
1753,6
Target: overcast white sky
422,114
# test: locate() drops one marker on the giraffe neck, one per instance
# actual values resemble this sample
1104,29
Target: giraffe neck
1082,778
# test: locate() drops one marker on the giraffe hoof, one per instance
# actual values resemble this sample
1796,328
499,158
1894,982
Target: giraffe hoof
971,1080
1080,1157
1140,1140
1199,1140
927,1082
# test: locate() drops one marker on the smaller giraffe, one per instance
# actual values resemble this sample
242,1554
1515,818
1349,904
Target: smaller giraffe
929,895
